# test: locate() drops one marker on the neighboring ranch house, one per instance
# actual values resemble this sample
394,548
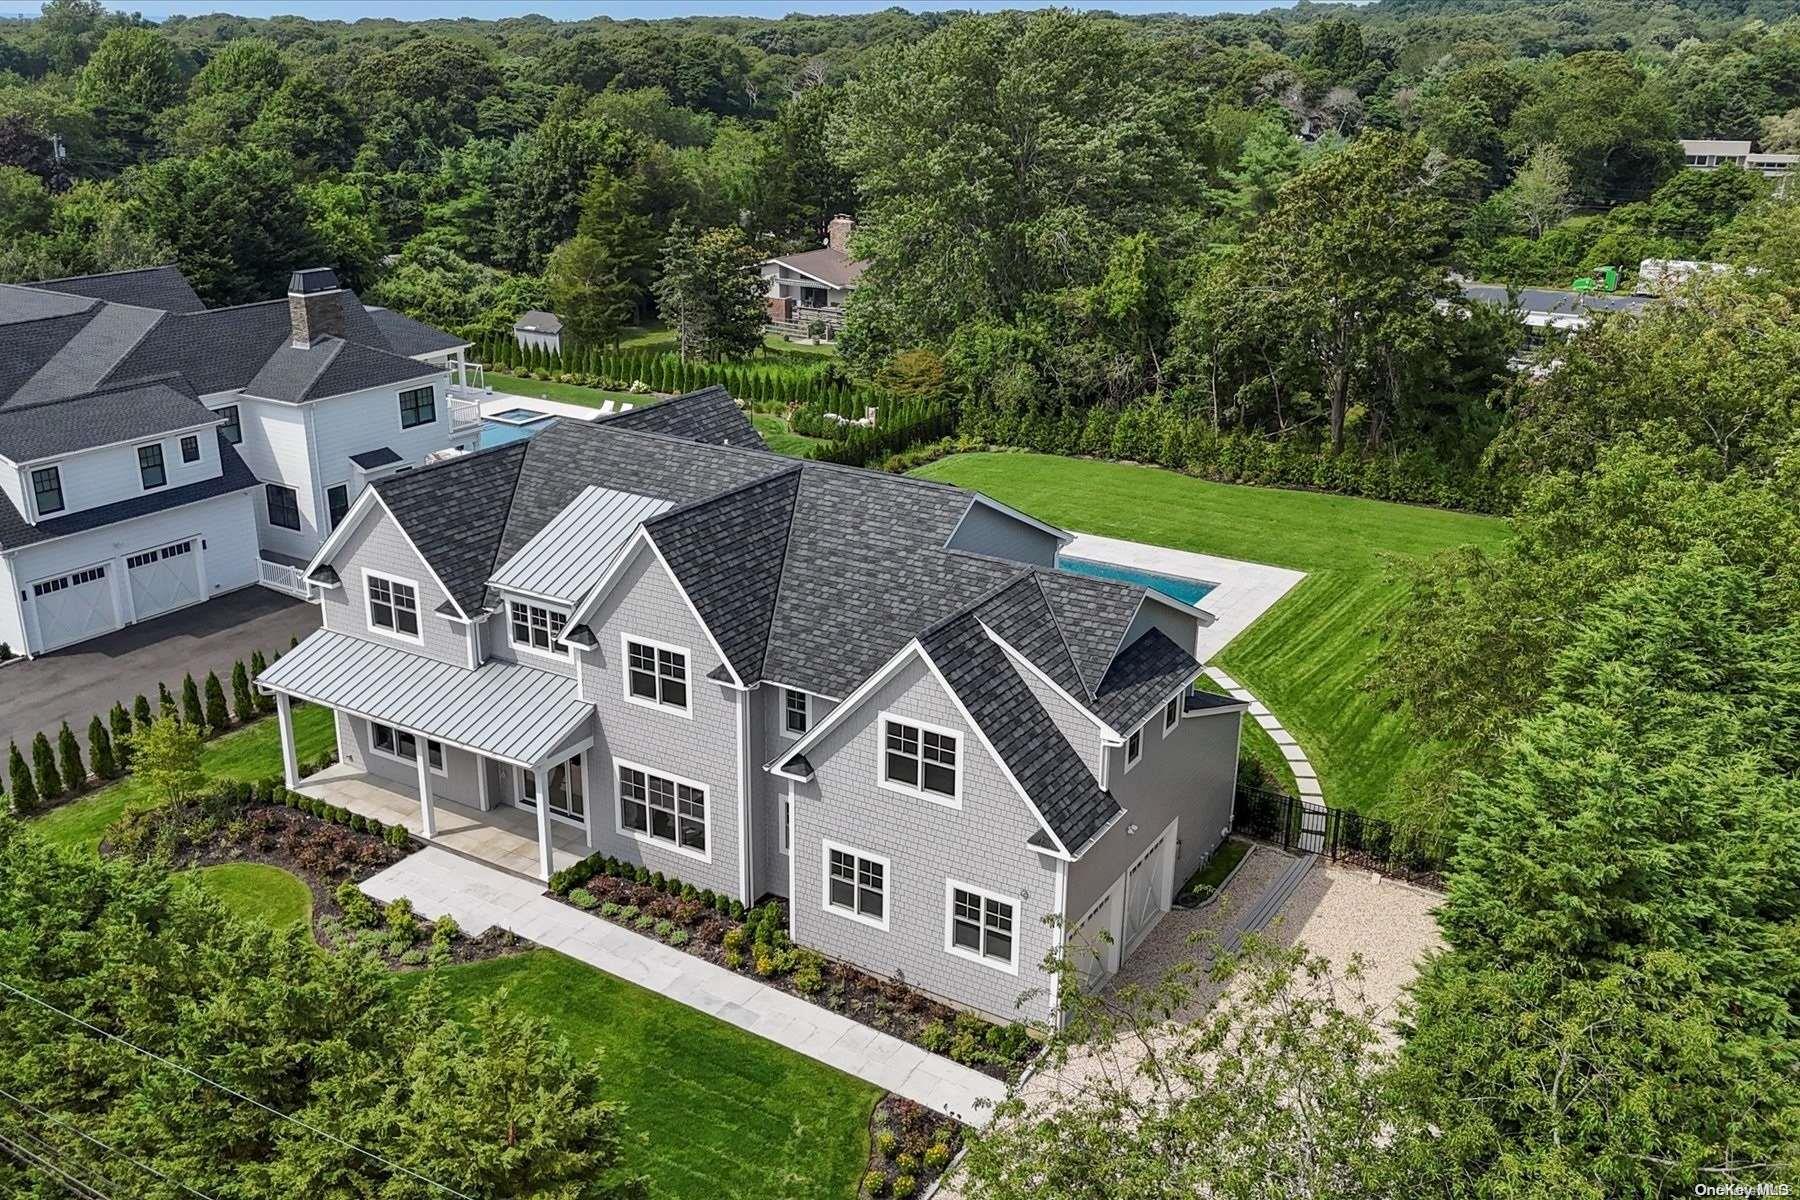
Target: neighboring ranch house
540,330
155,453
876,696
811,287
1709,154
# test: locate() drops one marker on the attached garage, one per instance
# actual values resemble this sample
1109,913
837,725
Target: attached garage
73,606
164,578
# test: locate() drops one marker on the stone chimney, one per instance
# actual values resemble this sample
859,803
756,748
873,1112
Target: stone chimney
838,231
315,307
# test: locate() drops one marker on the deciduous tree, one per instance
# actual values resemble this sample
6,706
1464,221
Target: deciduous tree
710,294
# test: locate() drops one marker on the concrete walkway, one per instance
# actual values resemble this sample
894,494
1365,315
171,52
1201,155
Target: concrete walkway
480,897
1305,777
1242,591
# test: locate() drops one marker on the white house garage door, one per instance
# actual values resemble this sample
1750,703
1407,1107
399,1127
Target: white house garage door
1091,952
164,578
1145,893
72,607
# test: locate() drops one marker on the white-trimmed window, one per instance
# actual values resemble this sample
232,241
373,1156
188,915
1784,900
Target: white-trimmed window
796,712
284,505
190,449
856,885
979,925
1134,747
233,428
1171,715
656,675
663,809
151,472
46,490
534,627
399,744
418,407
921,759
393,606
568,790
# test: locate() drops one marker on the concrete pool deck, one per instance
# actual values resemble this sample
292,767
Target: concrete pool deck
1242,591
501,402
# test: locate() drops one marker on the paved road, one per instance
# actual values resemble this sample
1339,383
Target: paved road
72,685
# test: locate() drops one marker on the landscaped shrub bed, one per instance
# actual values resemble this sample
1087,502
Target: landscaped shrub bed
755,942
909,1147
329,848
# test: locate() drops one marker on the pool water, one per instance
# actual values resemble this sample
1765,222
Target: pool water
1188,591
498,432
518,416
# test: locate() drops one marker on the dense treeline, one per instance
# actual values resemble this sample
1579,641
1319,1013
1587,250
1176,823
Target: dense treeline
1250,218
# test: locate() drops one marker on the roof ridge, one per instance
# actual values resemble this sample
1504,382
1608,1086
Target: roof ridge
168,266
729,492
174,380
970,608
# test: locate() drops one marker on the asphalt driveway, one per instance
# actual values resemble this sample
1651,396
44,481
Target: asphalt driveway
73,684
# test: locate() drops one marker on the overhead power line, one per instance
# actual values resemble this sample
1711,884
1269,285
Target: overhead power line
371,1155
86,1137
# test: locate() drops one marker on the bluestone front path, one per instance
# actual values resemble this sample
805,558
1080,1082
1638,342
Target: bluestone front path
1305,778
480,897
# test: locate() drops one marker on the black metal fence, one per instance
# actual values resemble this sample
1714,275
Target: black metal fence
1338,834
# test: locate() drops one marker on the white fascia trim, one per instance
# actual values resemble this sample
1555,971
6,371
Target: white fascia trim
358,511
145,440
776,683
1020,660
1236,706
243,491
523,764
698,620
1063,537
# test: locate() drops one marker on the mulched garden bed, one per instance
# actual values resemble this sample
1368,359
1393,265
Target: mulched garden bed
755,943
331,853
909,1147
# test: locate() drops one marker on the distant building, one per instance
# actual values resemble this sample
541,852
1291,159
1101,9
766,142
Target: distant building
1705,154
811,287
536,328
1550,313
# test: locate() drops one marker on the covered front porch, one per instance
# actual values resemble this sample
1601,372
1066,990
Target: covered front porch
490,761
507,837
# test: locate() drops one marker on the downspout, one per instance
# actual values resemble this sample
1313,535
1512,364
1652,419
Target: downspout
745,878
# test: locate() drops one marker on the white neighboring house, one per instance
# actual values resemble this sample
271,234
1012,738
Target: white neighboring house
155,453
811,287
537,329
1707,154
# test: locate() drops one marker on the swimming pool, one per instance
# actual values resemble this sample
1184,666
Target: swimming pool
1188,591
514,425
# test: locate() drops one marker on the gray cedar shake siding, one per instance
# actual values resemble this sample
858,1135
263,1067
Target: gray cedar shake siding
1191,774
460,782
767,711
987,530
376,544
1076,726
925,844
702,748
497,638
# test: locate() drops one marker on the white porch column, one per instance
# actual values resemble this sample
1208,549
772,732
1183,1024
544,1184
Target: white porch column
545,864
427,817
290,763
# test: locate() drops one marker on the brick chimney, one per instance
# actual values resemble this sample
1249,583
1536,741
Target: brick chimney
315,307
838,231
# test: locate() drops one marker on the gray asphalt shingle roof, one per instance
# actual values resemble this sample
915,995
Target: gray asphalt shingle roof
1143,676
455,512
30,432
708,415
161,288
404,335
1093,615
536,320
16,531
330,367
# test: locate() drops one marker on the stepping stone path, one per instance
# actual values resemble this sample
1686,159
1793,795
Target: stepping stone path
1312,796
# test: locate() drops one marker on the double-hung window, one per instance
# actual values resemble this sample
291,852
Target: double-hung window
656,675
662,809
150,466
417,407
397,743
535,627
1134,747
796,712
284,505
981,927
233,428
856,884
337,502
393,606
46,490
190,449
920,759
1171,715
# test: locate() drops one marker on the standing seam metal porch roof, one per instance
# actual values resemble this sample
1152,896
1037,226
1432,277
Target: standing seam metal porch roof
501,709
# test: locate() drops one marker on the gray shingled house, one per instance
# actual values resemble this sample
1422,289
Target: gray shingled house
155,453
647,635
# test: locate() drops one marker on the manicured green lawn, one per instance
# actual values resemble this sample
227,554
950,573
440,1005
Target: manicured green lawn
257,892
567,393
1308,658
722,1112
780,438
247,755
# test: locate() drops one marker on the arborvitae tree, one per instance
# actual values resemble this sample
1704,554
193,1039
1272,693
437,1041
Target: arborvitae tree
100,750
191,712
68,759
243,701
43,765
24,791
165,702
217,717
140,712
259,664
120,720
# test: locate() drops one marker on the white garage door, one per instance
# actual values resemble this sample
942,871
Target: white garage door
164,578
1145,893
72,607
1093,953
